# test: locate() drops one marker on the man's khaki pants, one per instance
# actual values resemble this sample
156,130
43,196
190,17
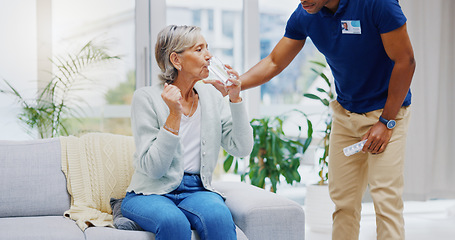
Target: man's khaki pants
349,176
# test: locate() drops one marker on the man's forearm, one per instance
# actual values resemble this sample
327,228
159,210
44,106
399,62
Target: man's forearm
261,73
280,57
400,82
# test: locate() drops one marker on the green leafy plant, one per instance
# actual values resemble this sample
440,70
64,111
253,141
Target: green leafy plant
273,154
46,112
325,99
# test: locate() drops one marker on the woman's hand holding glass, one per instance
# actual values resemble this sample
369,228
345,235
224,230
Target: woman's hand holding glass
231,87
233,90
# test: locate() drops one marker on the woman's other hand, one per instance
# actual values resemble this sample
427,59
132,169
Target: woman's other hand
172,97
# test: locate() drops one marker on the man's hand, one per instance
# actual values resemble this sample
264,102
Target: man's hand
378,137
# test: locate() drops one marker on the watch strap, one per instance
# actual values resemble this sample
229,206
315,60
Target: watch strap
383,120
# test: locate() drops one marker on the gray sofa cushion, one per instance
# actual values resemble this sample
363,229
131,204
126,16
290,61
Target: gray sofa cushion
261,214
49,228
32,182
102,233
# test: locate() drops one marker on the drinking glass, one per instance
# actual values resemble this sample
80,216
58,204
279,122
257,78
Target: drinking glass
218,69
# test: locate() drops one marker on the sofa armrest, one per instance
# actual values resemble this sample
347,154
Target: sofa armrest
261,214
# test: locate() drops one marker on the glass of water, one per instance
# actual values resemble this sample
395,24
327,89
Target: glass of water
219,70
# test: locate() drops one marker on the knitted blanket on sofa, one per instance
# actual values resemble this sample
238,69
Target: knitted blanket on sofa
97,166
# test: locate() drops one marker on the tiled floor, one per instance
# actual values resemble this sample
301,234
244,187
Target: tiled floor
423,220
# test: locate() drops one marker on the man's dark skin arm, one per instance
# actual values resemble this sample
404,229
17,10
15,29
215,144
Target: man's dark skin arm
398,47
283,54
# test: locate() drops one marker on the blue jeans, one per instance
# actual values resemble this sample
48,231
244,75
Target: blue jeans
173,215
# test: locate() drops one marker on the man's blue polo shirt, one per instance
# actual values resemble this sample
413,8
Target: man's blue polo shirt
356,55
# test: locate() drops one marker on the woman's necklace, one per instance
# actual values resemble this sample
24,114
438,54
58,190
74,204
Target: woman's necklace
191,107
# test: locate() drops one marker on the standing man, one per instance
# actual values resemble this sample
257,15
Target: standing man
367,47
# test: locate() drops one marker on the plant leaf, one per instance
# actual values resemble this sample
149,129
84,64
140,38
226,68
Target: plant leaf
228,162
312,96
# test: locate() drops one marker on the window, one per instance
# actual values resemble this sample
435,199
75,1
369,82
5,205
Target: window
109,24
56,31
288,87
18,61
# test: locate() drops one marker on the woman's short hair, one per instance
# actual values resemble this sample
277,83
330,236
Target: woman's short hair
173,39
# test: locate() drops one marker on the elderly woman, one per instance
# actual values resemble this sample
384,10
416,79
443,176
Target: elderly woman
178,127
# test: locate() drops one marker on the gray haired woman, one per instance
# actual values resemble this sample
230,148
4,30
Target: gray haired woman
179,126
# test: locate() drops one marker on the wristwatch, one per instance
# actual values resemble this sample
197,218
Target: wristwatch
390,124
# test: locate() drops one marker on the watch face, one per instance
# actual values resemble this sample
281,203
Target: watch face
391,124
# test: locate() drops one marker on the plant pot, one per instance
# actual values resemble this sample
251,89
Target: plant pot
318,208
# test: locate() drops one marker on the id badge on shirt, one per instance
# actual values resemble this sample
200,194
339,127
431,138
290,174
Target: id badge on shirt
350,27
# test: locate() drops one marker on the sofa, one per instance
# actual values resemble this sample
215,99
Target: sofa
37,200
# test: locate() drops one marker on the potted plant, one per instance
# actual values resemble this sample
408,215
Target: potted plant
274,154
47,112
318,205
